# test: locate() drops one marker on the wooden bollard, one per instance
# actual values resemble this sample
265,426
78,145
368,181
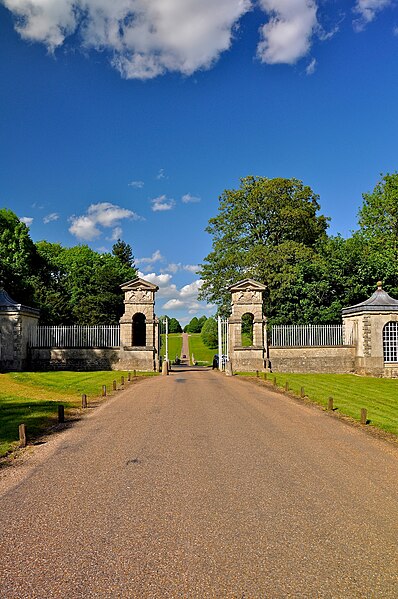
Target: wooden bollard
274,381
330,403
265,376
287,386
302,392
22,435
114,385
61,414
122,381
257,373
129,376
103,390
364,415
84,401
135,373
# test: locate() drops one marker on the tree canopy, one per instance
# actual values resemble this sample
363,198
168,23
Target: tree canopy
75,285
271,230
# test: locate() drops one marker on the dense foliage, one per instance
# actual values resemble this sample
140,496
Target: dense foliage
209,333
70,285
270,230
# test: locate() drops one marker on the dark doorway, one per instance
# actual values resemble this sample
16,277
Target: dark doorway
139,330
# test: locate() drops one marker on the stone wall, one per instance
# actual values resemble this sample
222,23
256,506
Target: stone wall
339,360
90,359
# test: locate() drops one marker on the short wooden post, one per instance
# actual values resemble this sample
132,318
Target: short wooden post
114,385
330,403
274,381
364,415
84,401
287,386
22,435
61,414
302,392
122,380
129,376
103,390
265,376
135,373
257,373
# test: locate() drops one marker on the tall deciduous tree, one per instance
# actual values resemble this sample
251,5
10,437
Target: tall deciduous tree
267,229
18,257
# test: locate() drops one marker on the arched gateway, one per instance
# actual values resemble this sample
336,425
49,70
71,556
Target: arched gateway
139,338
246,326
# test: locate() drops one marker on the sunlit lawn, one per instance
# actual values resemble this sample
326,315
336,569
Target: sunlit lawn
32,398
350,393
202,354
175,345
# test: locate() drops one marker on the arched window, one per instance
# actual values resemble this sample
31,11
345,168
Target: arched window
390,342
247,329
139,330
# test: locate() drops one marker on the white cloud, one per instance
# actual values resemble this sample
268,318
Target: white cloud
192,289
136,184
287,36
190,199
162,204
173,304
191,268
156,257
174,267
311,66
161,174
367,10
28,220
50,218
146,38
105,214
116,234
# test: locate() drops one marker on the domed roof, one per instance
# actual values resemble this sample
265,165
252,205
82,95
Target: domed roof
7,304
379,301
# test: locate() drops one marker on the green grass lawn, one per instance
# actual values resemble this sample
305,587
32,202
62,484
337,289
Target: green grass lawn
350,393
175,345
203,355
32,398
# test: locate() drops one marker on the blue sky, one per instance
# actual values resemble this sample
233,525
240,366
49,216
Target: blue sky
130,118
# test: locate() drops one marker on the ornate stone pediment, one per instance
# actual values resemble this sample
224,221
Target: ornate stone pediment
139,291
247,291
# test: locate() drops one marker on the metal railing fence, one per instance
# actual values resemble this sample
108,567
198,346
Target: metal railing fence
309,335
75,336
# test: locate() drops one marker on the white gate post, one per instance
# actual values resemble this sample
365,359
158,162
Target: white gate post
219,344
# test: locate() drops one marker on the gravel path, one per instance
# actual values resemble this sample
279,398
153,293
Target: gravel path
197,485
185,349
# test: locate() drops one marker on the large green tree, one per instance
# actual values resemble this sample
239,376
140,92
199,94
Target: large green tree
81,286
18,257
269,230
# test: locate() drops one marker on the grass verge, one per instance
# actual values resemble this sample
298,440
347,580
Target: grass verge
350,393
33,398
175,345
202,354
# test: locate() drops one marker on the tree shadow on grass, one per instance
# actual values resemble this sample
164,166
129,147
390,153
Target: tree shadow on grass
38,416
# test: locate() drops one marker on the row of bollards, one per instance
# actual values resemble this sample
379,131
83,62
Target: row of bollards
330,404
22,431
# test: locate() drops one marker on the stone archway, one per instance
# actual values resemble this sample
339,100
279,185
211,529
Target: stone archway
247,298
139,327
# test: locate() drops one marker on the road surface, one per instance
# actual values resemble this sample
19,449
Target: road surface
198,485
